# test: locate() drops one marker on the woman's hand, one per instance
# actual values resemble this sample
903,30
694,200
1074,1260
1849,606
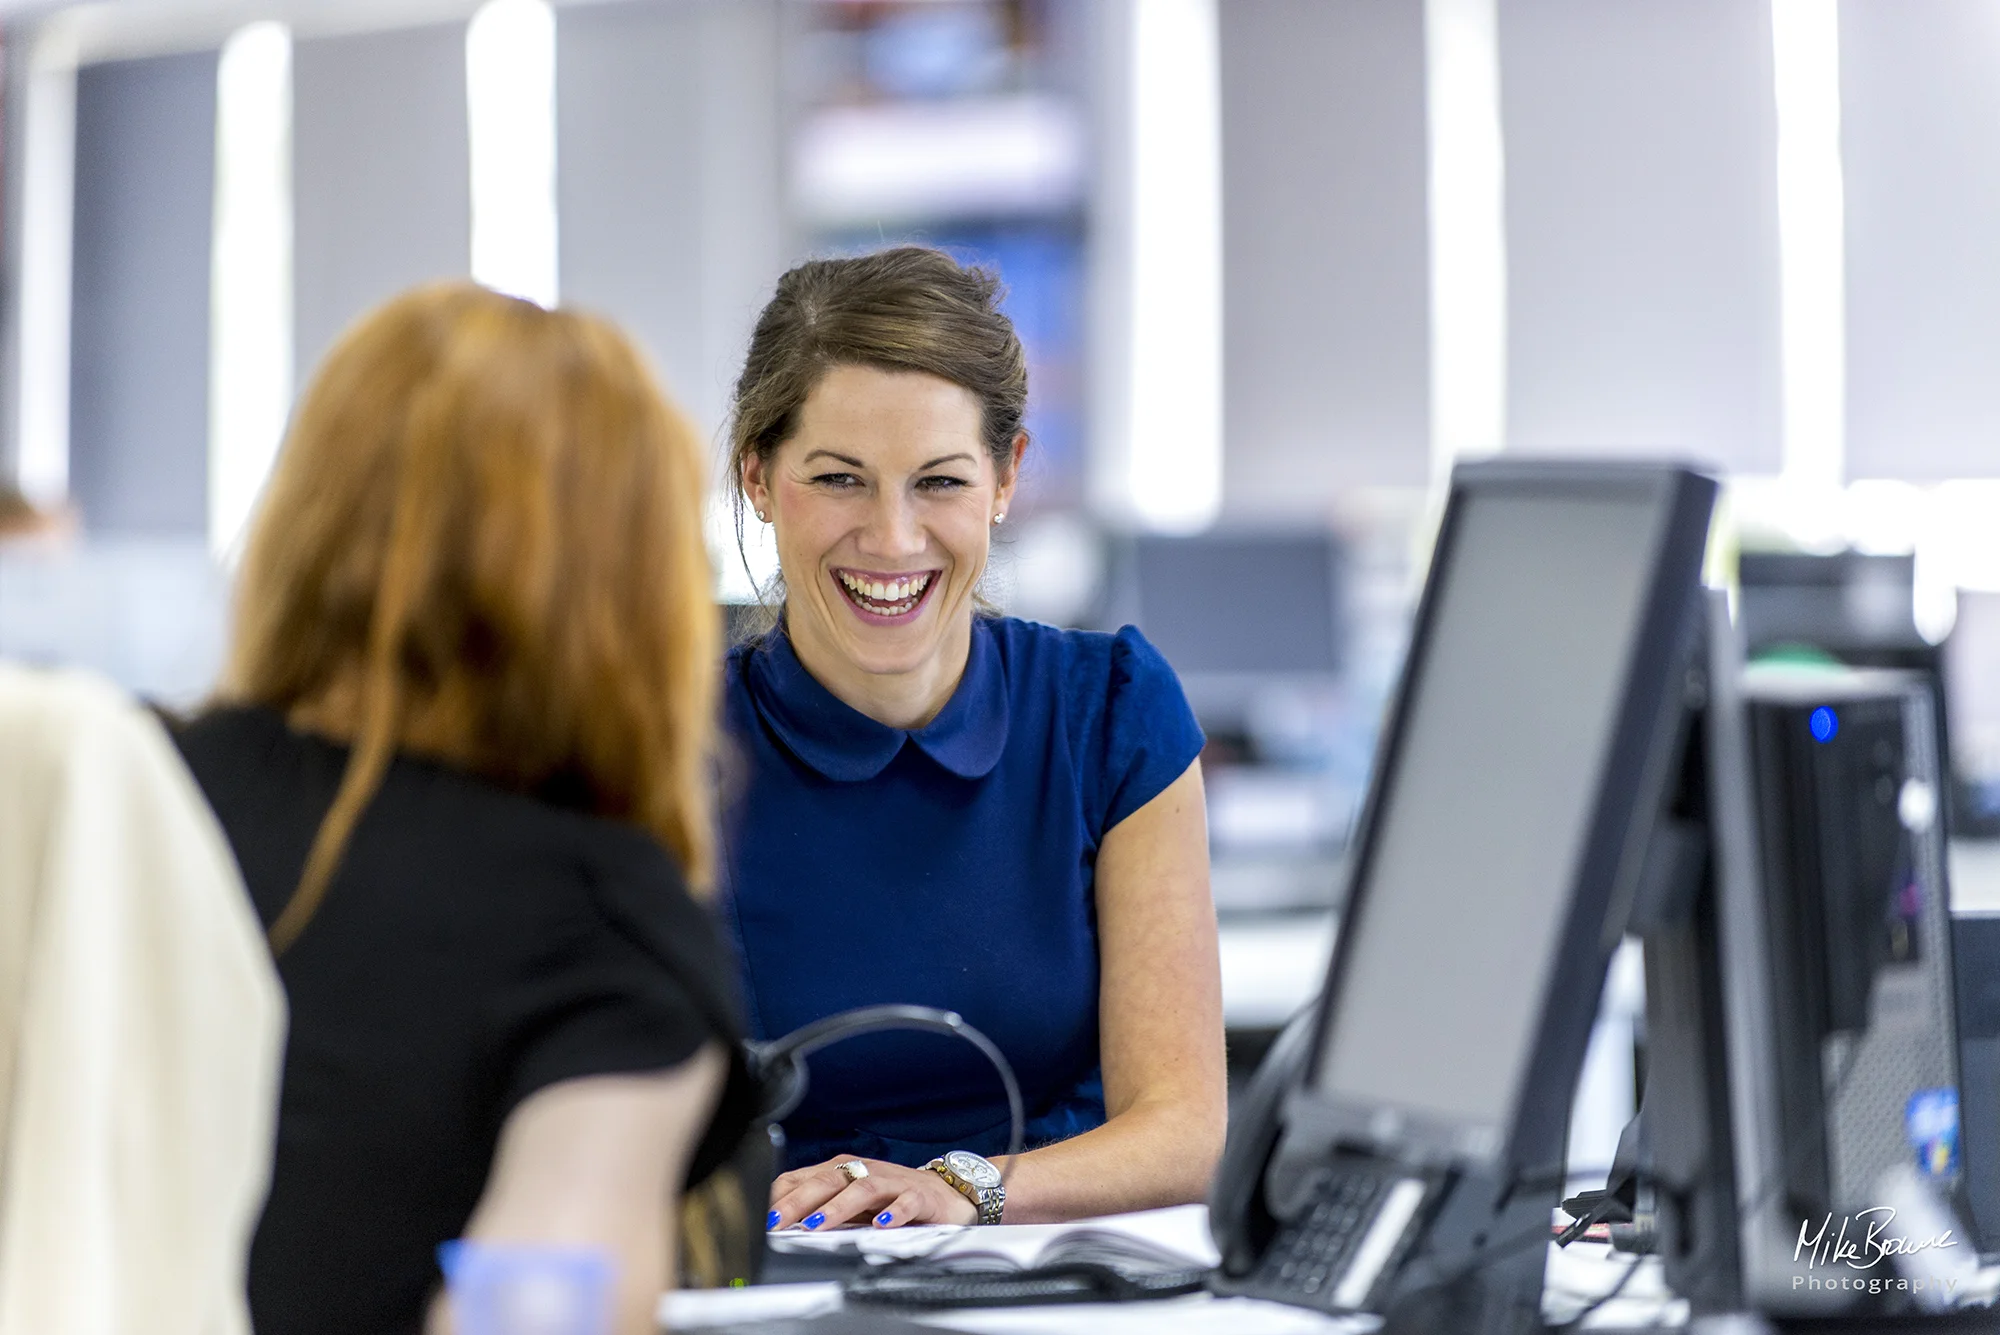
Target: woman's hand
888,1197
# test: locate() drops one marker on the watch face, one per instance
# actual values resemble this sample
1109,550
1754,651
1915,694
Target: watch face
973,1169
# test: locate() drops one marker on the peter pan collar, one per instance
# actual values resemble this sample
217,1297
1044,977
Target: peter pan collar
847,746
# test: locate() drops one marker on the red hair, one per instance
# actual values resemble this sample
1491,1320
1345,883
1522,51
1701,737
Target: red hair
483,544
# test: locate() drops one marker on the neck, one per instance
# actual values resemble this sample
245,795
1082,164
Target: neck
896,699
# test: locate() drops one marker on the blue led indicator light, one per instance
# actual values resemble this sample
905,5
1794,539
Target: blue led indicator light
1823,724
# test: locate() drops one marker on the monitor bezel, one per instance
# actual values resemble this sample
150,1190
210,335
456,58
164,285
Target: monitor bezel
1649,713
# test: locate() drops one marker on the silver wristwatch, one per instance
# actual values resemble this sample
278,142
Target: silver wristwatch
976,1179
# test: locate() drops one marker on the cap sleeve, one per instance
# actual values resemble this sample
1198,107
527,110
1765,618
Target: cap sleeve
635,981
1151,733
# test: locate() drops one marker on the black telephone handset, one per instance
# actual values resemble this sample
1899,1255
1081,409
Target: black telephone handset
1239,1214
1454,1259
1327,1229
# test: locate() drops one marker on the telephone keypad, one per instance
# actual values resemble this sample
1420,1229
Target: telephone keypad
1349,1236
1313,1248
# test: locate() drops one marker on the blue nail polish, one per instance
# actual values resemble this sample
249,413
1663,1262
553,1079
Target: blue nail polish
884,1218
815,1219
771,1219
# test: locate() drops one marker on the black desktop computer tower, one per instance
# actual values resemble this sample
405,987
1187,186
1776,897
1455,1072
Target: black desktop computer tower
1802,1019
1976,952
1848,785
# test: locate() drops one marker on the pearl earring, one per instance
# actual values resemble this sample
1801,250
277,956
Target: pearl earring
1000,518
763,518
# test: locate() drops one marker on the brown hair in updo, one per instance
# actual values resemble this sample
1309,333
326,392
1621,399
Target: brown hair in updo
910,308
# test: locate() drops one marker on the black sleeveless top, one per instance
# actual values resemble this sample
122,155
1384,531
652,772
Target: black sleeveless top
475,946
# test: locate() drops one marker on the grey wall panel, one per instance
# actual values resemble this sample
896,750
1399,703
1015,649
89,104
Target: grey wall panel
1326,323
381,174
668,179
1921,141
145,186
15,70
1642,241
628,172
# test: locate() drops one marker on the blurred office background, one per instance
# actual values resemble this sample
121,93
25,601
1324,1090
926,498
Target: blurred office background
1278,263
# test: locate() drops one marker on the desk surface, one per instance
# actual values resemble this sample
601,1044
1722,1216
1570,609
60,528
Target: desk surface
1575,1277
1973,868
1196,1314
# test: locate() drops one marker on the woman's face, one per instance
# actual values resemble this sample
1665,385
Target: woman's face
882,503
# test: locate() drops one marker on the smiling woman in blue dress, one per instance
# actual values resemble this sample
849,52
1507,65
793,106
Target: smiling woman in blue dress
949,807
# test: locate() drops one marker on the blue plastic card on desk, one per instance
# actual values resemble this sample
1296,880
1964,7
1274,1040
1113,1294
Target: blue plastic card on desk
520,1290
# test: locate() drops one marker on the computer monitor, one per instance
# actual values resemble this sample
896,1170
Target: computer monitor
1846,603
1234,611
1515,785
1403,1153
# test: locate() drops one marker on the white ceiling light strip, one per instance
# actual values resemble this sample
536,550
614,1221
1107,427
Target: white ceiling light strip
510,67
1175,385
48,196
250,318
1812,245
1468,231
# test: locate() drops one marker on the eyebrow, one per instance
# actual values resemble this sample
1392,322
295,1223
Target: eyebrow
850,461
961,457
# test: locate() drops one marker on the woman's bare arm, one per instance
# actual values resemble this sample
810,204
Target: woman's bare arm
598,1163
1160,1020
1160,1016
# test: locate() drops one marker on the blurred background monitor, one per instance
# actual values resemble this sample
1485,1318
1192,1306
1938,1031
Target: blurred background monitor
1255,625
1234,612
1855,607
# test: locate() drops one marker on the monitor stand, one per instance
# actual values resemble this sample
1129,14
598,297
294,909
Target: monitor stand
1480,1265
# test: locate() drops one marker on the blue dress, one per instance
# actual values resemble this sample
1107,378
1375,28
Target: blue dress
951,865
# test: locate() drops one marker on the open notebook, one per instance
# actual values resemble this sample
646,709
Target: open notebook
1181,1231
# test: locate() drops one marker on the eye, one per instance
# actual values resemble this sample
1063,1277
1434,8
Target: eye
941,482
837,481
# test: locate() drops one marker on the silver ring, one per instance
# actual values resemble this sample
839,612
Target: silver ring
853,1170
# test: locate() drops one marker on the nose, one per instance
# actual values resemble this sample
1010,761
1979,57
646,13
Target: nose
892,531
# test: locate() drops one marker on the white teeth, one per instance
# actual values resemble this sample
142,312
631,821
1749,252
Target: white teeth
897,593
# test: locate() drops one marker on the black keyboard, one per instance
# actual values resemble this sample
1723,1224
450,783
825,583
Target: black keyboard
1344,1241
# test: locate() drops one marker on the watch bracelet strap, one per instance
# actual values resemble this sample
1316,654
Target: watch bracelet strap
989,1204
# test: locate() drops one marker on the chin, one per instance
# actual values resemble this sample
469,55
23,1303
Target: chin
910,651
